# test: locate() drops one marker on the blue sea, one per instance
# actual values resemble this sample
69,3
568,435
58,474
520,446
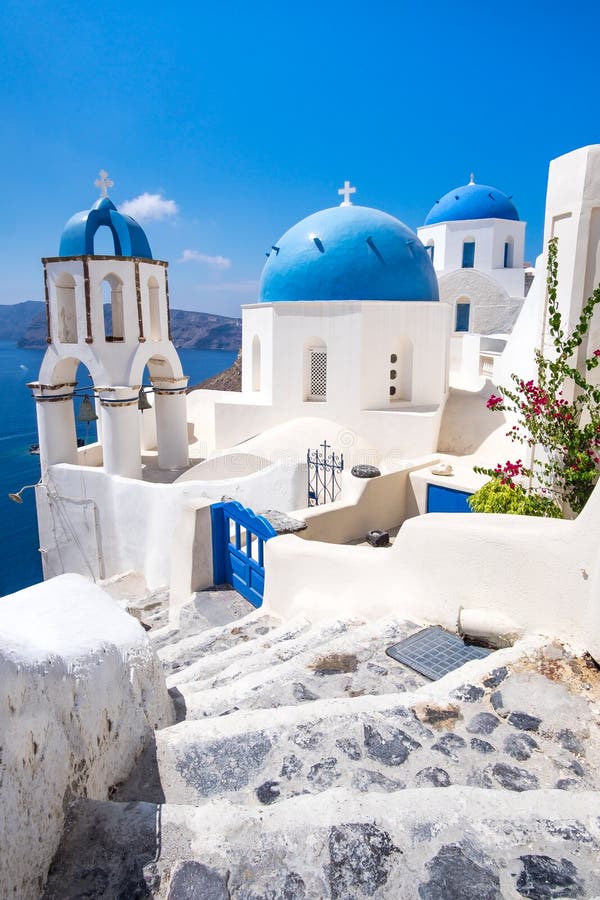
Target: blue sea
19,556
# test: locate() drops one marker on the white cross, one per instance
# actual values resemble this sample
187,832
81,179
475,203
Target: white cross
345,192
104,183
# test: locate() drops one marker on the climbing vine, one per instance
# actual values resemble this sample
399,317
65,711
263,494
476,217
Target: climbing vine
557,412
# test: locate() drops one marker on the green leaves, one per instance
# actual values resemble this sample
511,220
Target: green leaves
567,431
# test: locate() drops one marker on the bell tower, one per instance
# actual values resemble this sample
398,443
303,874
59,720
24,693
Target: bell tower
111,313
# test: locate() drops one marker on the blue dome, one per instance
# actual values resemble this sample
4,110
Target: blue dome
472,201
348,253
78,234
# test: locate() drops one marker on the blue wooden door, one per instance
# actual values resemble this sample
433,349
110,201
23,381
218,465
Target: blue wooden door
238,539
443,499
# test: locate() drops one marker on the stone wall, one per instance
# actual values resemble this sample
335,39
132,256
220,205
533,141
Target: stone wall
81,691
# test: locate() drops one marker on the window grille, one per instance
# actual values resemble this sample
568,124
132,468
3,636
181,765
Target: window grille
318,374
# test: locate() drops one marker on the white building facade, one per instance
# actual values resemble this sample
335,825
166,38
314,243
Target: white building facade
477,244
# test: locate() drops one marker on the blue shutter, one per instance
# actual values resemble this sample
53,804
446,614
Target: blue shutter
468,260
463,311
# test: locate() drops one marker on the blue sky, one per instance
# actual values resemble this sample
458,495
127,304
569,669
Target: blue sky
236,120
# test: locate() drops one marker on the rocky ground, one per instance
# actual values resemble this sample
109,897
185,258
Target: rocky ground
308,764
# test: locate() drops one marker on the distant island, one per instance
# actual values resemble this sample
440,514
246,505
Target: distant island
25,324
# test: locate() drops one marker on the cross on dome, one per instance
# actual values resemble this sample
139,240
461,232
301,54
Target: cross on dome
103,183
472,179
345,192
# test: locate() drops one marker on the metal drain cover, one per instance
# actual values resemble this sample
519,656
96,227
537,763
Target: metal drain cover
434,652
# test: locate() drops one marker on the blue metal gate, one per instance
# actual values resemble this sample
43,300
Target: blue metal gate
238,540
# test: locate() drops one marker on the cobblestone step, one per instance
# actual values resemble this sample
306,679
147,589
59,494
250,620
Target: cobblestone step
502,729
187,666
331,659
444,844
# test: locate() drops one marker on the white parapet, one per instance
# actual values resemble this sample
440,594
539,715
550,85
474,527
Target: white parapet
81,692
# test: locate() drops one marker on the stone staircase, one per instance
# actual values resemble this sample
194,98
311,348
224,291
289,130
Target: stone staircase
308,764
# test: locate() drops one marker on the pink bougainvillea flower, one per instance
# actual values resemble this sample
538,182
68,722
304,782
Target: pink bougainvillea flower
494,402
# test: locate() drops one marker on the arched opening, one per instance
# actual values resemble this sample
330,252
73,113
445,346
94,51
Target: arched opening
256,363
508,253
468,254
315,370
463,315
87,417
66,309
153,300
401,370
163,421
104,242
69,423
430,247
112,298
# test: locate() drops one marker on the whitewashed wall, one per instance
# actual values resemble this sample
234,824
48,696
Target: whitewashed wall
542,574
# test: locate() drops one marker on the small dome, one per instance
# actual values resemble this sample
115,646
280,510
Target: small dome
348,253
78,234
472,201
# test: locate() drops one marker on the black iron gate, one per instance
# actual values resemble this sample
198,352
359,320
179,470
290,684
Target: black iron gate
324,474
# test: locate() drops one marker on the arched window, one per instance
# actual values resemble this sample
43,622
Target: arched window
112,295
463,315
153,299
430,249
468,257
65,309
315,370
508,253
401,369
256,363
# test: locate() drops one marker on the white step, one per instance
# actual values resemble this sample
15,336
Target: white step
506,732
328,660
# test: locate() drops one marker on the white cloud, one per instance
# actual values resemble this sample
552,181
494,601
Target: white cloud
217,262
149,208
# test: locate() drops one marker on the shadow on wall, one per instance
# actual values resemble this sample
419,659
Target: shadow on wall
467,422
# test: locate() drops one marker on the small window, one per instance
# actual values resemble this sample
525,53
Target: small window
431,250
318,374
463,311
468,260
508,255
